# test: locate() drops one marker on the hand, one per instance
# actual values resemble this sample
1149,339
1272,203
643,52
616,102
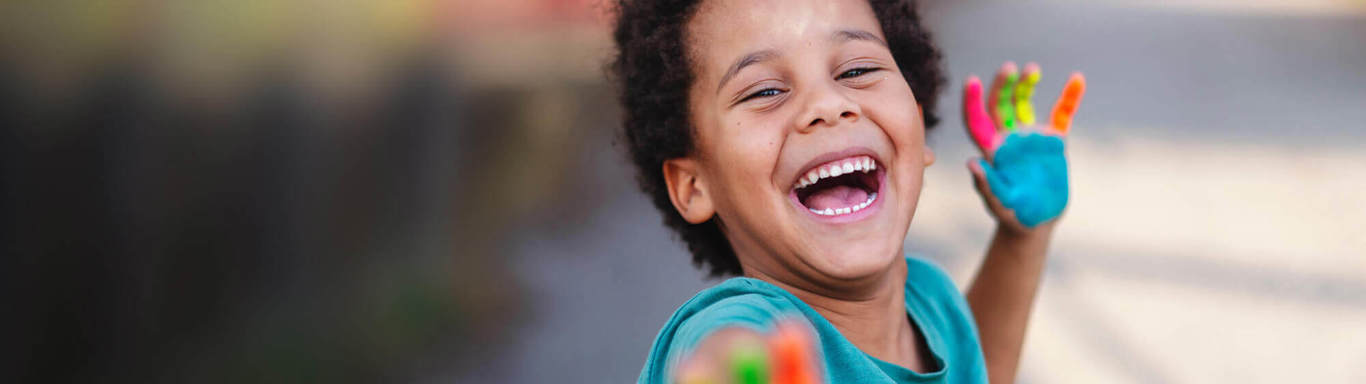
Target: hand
788,355
1024,177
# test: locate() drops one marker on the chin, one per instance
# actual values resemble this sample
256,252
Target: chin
855,262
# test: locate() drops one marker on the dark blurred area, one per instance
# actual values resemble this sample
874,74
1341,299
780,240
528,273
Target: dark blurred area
292,191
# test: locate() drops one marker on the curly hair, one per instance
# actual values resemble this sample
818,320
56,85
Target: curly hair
653,74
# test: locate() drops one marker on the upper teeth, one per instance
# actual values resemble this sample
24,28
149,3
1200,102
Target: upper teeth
836,168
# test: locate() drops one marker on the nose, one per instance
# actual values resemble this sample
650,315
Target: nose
827,106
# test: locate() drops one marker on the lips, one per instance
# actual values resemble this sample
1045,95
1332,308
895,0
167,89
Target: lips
843,186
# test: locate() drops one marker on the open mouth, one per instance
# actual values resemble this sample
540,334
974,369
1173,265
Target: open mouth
839,187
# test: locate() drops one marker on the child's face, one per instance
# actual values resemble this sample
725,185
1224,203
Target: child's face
783,88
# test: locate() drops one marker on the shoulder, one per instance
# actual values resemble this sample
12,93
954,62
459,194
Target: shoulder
737,302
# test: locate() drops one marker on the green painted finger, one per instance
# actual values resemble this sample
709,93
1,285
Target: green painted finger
1024,91
749,364
1004,109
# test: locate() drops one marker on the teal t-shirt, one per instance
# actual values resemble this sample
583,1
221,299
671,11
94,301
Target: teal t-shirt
932,302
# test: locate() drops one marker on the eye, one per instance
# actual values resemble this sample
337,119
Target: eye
767,92
856,72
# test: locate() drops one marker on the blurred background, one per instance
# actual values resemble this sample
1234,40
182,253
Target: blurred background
430,191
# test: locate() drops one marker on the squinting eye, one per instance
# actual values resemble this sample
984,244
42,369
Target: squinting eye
856,72
769,92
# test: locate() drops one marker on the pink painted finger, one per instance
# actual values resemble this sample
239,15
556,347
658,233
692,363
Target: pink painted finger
975,118
1067,103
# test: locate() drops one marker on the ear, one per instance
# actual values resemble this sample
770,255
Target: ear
687,190
928,156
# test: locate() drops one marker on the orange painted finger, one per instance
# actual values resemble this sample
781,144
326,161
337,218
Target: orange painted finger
1067,103
794,357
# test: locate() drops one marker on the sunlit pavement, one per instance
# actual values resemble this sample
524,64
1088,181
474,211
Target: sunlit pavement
1218,219
1180,262
1215,232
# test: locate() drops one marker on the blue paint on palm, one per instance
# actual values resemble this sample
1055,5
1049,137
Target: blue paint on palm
1030,176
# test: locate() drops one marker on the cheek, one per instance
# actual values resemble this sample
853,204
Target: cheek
744,159
897,115
749,153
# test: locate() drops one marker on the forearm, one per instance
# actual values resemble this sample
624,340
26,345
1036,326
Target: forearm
1002,295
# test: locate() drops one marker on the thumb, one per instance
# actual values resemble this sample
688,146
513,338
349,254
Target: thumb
989,185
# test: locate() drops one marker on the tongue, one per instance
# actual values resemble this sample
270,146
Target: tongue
836,197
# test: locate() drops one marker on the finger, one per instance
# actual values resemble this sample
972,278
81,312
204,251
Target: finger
793,356
697,371
1002,87
1067,103
1024,91
720,356
749,363
975,117
978,168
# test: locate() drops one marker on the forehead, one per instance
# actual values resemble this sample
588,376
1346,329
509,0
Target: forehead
723,30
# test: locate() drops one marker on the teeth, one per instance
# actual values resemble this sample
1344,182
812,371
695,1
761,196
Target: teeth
846,210
861,164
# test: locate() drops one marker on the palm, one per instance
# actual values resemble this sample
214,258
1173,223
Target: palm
1030,176
1024,176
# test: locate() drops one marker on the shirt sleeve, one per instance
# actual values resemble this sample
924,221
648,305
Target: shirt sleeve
753,311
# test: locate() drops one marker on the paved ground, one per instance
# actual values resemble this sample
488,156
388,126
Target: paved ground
1215,233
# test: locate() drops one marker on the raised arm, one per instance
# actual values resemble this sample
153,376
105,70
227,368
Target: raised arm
1023,182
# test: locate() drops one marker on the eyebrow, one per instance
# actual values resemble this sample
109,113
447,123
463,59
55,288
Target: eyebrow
756,57
844,35
745,61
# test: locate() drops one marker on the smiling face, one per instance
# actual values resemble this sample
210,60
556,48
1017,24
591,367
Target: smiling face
809,142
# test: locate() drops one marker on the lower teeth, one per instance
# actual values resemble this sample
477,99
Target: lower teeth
845,210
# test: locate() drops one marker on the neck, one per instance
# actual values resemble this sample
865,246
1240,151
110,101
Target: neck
872,317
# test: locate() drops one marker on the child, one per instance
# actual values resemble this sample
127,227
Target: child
784,140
